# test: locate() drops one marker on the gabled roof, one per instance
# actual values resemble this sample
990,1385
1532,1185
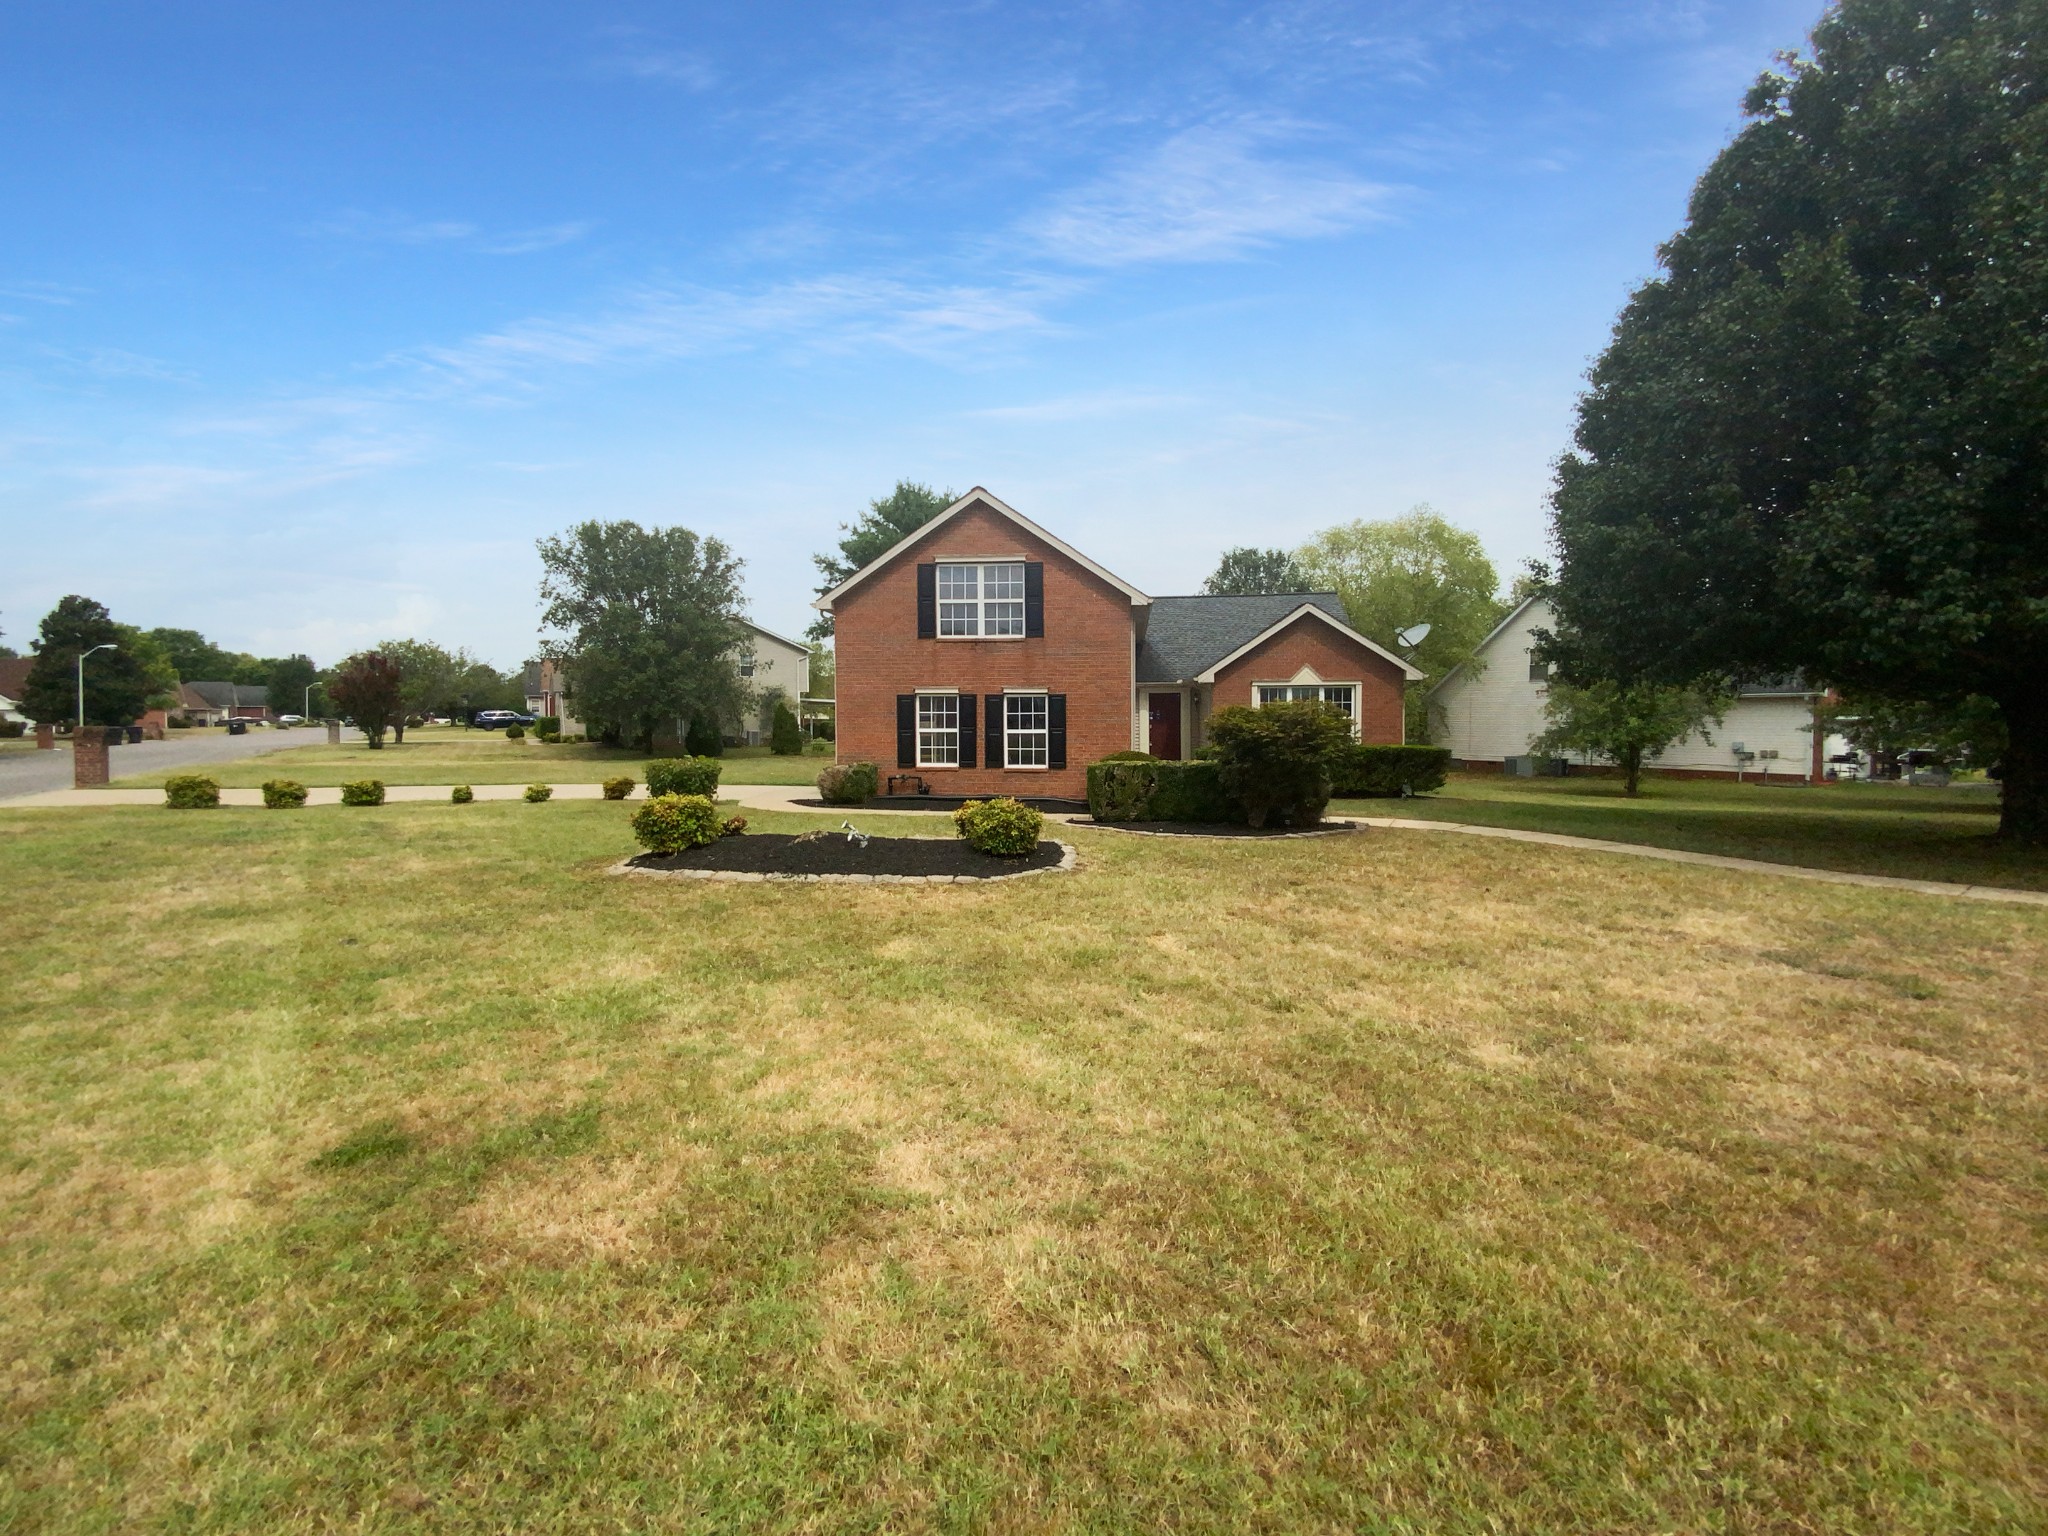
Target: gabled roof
982,497
1310,610
761,629
14,676
1492,635
223,696
1185,635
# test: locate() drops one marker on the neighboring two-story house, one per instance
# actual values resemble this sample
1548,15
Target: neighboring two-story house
1489,710
985,656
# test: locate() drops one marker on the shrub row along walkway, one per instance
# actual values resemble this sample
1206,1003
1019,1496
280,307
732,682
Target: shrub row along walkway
784,797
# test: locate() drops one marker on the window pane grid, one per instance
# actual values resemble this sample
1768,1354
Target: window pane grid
938,731
1025,732
983,600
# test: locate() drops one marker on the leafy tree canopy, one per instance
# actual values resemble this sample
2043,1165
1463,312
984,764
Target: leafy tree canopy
887,522
287,680
369,688
1627,723
648,627
1253,571
1418,568
118,683
1819,441
1968,734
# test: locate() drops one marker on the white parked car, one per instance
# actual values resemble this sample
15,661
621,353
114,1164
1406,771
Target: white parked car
291,719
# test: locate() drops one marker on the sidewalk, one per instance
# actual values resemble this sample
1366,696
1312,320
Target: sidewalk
783,797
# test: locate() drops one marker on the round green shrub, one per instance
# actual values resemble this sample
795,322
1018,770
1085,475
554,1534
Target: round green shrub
461,794
190,792
683,776
535,793
849,783
283,794
1275,761
363,792
619,788
672,823
1005,827
515,733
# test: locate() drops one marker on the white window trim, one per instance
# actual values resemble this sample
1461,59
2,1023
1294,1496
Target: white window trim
980,603
1357,693
918,725
1026,693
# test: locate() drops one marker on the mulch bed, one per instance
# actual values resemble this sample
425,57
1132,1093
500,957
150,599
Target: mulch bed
792,854
1220,828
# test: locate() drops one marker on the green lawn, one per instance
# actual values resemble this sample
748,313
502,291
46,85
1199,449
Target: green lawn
452,755
396,1169
1880,829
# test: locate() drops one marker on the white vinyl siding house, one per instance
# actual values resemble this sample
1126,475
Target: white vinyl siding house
1491,708
773,662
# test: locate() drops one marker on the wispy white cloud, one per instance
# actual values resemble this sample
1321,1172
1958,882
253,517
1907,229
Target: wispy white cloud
1206,194
639,54
115,363
30,291
399,229
1083,407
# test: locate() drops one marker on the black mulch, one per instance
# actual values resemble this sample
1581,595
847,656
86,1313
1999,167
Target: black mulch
1219,828
783,853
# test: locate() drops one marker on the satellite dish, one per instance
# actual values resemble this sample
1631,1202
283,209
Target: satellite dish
1413,636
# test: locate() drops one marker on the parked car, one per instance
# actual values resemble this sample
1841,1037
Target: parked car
498,719
291,719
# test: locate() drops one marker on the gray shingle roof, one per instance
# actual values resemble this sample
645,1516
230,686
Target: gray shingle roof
1187,635
230,695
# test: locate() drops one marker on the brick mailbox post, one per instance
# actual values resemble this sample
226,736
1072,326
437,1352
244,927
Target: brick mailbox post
89,757
46,737
334,733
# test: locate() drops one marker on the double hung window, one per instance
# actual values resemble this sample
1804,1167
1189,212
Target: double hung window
985,601
1343,695
938,730
1026,726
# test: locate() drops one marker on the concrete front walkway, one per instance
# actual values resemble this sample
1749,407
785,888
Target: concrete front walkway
783,797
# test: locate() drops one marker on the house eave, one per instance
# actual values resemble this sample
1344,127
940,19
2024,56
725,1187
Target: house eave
1409,671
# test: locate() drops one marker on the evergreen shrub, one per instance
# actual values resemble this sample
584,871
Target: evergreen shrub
515,733
702,739
283,794
1127,790
786,739
363,792
191,792
535,793
542,724
683,776
673,823
461,794
1005,827
1275,762
849,783
618,788
1363,770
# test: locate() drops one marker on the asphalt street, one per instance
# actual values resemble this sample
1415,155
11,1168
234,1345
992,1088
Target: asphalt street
29,772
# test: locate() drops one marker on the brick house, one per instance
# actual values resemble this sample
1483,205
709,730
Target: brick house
983,655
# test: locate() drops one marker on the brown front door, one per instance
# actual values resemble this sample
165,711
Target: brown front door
1162,714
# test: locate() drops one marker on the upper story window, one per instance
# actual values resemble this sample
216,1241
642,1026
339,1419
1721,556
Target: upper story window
1343,695
1539,671
746,666
981,601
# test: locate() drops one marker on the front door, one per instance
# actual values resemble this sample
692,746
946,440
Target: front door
1162,715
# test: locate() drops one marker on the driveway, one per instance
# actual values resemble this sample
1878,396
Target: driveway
30,772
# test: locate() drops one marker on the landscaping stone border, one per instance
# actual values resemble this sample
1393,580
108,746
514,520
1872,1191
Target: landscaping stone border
1335,828
1070,859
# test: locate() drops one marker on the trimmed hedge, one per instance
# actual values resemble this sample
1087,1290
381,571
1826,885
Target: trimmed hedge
191,792
618,788
363,792
1120,789
672,823
535,793
1005,827
283,794
543,724
683,776
515,733
1362,770
461,794
849,783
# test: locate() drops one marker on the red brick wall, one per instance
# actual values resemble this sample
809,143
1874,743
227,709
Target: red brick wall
1309,642
1085,653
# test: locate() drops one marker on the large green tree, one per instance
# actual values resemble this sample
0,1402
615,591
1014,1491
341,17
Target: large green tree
1418,568
118,683
288,679
1246,570
647,625
1820,440
887,522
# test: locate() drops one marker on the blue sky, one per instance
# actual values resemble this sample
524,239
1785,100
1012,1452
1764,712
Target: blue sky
313,318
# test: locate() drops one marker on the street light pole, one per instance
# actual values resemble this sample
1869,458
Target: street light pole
109,646
307,710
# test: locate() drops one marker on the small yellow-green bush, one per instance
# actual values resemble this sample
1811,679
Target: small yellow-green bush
535,793
191,792
363,792
618,788
673,823
283,794
461,794
1005,827
683,776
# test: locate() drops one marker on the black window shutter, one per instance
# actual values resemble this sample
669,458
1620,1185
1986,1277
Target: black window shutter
965,705
1034,598
998,756
1056,730
906,730
927,602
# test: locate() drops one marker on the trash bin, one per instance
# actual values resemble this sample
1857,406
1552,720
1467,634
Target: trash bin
134,734
238,727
